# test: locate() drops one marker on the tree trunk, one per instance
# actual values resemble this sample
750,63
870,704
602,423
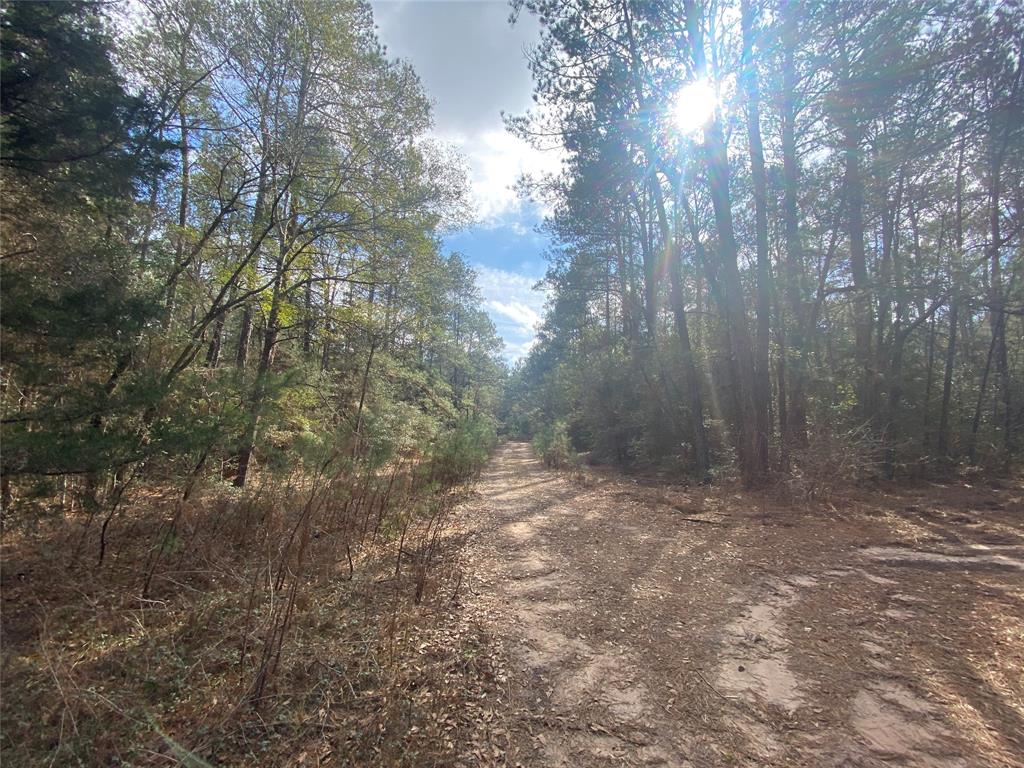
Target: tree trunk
762,382
213,351
753,459
183,197
244,336
262,373
325,357
179,236
307,324
942,445
929,379
947,381
363,388
702,460
650,274
795,424
858,267
995,316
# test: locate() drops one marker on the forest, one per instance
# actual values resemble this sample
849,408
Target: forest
221,252
273,493
788,238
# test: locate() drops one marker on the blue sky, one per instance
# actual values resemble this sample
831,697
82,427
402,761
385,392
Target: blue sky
508,260
472,65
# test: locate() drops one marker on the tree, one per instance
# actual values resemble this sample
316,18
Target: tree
820,165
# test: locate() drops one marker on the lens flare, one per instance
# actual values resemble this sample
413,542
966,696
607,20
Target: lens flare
695,105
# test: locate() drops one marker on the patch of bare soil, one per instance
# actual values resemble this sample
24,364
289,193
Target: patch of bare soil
679,627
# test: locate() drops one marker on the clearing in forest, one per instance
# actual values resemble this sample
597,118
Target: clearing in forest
668,626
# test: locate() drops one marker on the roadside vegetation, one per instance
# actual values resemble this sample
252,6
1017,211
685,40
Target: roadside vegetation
787,239
243,389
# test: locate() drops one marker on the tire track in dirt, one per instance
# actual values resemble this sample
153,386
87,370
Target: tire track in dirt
636,637
575,700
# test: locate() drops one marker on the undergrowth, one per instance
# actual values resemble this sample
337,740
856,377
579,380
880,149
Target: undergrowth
308,617
554,447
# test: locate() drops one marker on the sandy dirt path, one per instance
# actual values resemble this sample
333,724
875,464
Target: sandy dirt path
663,626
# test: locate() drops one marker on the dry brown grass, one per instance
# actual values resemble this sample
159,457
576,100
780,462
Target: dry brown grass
300,622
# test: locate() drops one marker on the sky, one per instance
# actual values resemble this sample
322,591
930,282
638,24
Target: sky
472,65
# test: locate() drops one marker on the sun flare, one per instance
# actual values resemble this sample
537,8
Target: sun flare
694,106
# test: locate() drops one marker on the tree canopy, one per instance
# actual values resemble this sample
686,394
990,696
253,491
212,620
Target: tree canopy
783,225
222,243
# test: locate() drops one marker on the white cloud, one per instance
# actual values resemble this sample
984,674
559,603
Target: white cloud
525,316
471,63
514,306
496,161
516,350
503,285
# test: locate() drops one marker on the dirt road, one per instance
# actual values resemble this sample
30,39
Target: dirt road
655,625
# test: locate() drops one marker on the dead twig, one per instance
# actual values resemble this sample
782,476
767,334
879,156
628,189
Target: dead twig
709,685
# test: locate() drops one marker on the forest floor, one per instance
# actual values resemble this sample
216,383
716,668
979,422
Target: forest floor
646,624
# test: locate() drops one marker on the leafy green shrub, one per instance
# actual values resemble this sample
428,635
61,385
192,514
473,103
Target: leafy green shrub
553,446
462,450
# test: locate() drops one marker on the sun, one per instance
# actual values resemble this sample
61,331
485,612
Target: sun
695,104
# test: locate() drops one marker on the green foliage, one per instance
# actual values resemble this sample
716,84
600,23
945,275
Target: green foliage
837,248
553,446
231,342
461,451
65,119
179,301
397,430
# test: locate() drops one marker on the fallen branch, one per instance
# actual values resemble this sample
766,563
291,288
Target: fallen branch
698,520
709,685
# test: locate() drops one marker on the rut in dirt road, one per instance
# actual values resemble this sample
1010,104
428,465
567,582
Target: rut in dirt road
643,632
585,695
